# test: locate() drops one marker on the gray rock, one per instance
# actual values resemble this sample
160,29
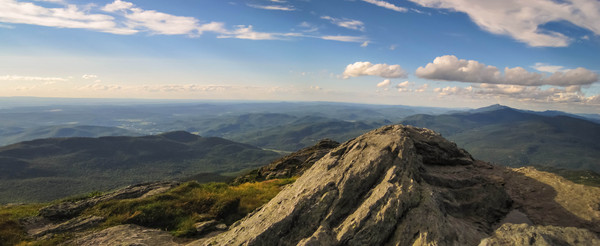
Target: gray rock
294,164
126,235
522,234
73,225
205,226
396,185
67,210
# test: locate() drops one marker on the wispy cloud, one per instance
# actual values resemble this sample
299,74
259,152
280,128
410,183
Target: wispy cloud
273,7
543,67
523,20
247,32
29,78
69,16
346,23
342,38
386,5
125,18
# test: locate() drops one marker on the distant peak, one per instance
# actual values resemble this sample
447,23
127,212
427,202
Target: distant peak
493,107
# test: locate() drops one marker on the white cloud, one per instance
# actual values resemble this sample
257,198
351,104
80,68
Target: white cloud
51,1
117,5
246,32
346,23
405,84
154,21
422,88
343,38
384,83
386,5
89,76
366,68
101,87
521,93
125,18
543,67
69,16
450,68
29,78
272,7
523,20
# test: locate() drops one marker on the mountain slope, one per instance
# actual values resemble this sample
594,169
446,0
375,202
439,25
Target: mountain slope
17,134
47,169
402,185
517,138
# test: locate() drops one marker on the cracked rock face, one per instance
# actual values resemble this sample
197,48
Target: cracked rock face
397,185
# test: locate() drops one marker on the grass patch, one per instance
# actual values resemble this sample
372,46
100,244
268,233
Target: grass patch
11,231
176,210
180,208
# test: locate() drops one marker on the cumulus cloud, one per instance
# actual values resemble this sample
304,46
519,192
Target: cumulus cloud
346,23
386,5
384,83
450,68
405,86
366,68
523,20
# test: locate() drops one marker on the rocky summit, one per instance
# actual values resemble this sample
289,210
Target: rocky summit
401,185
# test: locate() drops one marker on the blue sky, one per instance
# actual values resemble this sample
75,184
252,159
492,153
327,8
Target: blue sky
461,53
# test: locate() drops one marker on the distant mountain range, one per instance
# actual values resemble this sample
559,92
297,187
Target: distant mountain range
46,169
518,138
19,134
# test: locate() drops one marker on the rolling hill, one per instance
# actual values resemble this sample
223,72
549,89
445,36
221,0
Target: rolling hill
19,134
46,169
517,138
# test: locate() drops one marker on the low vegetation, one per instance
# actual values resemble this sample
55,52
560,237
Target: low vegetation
175,211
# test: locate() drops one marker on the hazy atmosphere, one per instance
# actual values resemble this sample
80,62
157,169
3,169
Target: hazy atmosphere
528,54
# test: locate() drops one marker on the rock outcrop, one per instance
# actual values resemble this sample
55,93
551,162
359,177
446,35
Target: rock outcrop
126,235
67,210
294,164
511,234
401,185
396,185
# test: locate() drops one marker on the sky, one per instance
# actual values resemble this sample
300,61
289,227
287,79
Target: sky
535,54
